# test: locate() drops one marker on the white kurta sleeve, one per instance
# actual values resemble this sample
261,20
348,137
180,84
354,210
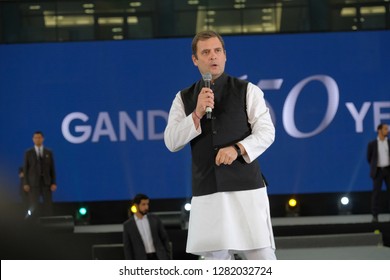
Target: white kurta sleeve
263,130
180,128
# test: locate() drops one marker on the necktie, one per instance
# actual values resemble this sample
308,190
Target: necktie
40,161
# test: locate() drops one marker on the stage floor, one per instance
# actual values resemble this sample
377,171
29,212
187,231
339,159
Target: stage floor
323,220
276,222
336,253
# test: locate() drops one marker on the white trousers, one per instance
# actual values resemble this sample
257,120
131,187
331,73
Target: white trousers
267,253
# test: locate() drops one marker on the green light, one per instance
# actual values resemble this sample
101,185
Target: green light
83,211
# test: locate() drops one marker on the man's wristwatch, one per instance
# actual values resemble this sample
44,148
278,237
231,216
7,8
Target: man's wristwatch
238,150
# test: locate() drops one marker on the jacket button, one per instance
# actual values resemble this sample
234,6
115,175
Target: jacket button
214,132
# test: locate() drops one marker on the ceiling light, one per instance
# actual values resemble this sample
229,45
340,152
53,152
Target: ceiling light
348,12
88,6
239,6
110,20
53,21
132,20
135,4
193,2
35,7
117,37
373,10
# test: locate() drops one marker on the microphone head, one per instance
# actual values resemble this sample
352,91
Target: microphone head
207,77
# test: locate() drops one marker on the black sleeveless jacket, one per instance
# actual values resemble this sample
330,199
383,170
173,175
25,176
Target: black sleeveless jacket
229,125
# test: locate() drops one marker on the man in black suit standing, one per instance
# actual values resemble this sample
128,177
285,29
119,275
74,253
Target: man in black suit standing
378,156
39,175
144,236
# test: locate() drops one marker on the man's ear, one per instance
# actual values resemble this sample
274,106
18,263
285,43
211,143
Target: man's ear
194,60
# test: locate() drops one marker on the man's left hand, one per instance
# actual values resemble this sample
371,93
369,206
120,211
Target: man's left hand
226,156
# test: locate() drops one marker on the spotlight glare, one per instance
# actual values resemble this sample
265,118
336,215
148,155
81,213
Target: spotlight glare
292,207
83,211
344,200
83,215
185,215
187,206
292,202
133,209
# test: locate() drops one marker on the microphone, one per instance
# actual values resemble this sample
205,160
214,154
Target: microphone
207,82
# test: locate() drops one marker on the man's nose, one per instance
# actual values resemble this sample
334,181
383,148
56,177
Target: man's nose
213,55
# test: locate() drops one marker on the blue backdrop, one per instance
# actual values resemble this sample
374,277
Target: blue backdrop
103,107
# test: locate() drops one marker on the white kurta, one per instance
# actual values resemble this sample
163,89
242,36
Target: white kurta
228,220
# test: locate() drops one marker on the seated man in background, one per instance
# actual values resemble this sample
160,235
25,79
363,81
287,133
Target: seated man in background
144,236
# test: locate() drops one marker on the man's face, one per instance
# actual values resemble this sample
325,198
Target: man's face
210,57
143,206
38,139
384,131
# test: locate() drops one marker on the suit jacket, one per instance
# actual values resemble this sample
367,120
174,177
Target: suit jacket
133,245
372,156
32,168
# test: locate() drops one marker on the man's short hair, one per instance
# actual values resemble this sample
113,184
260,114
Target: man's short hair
380,126
202,36
38,132
137,199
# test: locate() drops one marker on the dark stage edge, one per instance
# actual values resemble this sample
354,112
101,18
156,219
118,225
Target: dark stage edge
295,238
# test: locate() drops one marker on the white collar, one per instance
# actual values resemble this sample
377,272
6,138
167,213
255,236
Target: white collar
140,219
384,140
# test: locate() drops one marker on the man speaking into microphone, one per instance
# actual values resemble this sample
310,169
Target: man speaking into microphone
229,208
